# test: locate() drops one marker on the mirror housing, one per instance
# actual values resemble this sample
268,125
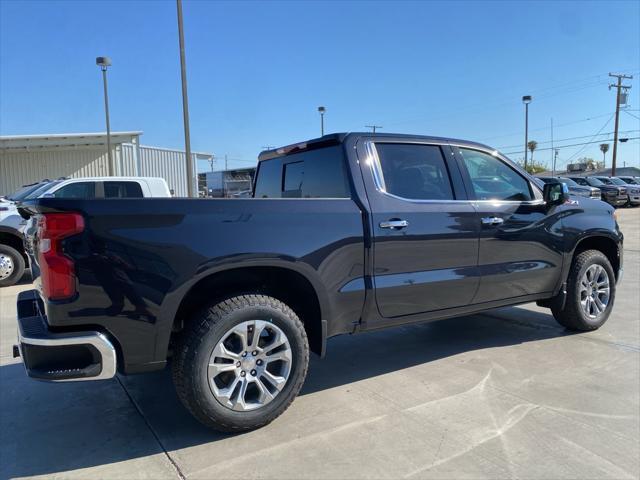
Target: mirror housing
555,193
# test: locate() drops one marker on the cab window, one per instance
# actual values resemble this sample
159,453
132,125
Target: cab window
122,190
493,179
414,171
84,190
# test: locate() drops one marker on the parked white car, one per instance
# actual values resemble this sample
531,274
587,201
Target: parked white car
13,258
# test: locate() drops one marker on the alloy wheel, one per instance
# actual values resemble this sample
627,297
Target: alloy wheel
250,365
594,291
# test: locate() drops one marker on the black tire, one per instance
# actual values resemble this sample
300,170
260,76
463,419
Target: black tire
572,316
18,265
203,332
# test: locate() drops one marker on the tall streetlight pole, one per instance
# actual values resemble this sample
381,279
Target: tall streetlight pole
185,102
321,110
526,100
618,86
103,63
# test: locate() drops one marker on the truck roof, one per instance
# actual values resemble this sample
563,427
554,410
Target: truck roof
338,138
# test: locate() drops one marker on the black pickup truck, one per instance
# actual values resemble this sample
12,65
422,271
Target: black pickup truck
346,233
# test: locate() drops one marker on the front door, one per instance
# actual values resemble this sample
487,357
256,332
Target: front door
425,231
520,243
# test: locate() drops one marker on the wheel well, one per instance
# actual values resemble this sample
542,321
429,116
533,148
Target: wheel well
14,241
286,285
604,245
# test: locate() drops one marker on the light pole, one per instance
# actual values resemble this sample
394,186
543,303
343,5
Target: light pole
185,102
526,100
103,63
321,110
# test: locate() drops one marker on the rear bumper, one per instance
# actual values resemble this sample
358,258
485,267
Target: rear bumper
61,357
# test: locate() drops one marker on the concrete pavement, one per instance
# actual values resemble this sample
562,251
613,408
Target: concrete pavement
498,395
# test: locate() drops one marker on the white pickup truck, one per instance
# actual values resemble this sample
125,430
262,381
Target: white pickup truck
13,259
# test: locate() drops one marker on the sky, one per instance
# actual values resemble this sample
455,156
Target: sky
257,71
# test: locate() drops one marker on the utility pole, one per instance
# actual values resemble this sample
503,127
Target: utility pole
553,160
618,86
373,127
211,160
185,102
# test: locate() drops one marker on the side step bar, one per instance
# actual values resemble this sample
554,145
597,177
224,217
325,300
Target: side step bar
61,357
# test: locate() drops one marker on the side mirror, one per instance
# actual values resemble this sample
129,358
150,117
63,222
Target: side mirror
555,193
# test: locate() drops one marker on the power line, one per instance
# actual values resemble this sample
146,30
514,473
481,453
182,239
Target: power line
565,139
629,113
572,145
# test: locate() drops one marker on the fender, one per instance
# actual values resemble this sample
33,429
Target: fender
174,299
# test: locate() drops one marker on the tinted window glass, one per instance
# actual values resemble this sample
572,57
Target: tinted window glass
293,179
40,190
77,190
546,179
492,179
122,190
568,181
594,182
312,174
415,172
580,181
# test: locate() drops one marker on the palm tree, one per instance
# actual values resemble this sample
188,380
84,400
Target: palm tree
532,145
604,148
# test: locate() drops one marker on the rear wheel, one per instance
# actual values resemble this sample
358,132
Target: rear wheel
591,290
240,363
11,266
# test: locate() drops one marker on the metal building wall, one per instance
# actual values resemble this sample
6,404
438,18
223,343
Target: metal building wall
21,167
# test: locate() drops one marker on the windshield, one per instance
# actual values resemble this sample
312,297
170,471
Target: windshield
617,181
23,192
629,180
568,182
40,190
605,180
594,182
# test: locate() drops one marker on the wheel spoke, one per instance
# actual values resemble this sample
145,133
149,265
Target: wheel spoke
240,378
276,380
240,403
265,396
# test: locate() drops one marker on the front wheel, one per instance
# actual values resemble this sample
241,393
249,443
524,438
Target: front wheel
240,363
11,266
591,290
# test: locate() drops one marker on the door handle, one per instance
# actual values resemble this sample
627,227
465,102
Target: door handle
394,224
492,221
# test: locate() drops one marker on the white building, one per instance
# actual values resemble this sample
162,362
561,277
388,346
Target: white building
26,159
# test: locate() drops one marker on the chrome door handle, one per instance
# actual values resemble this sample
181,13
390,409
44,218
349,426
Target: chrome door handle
394,224
492,221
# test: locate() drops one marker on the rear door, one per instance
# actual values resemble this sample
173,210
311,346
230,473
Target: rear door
425,231
521,245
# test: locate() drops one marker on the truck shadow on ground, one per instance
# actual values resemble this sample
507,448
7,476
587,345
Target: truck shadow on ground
56,428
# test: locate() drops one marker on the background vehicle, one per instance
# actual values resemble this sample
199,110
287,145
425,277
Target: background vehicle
574,188
346,233
13,258
612,194
630,180
633,192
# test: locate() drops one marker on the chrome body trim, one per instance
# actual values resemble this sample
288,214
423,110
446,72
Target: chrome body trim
373,161
96,339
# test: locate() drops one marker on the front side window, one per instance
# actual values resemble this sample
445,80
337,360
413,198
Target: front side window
84,190
492,179
122,190
414,171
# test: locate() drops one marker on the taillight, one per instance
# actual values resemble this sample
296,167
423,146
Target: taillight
56,270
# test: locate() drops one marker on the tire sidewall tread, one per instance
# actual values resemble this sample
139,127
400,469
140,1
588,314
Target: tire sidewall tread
18,266
200,336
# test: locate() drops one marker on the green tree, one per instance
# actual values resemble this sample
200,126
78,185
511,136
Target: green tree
532,145
604,148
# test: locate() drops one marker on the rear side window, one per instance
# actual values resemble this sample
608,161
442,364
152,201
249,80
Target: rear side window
492,179
414,172
313,174
122,190
77,190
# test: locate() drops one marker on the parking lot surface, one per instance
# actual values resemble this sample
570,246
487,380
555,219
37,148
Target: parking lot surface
504,394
